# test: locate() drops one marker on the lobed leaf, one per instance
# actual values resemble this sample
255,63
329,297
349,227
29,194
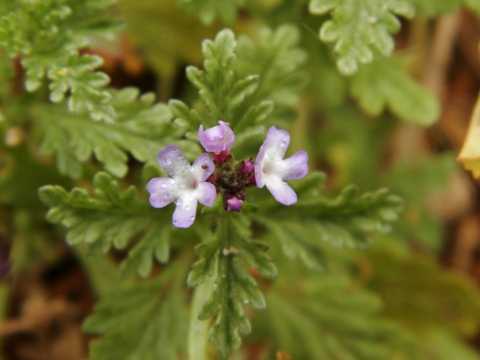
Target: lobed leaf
142,128
112,218
360,29
242,92
139,320
341,222
48,35
328,317
384,83
277,59
410,279
233,284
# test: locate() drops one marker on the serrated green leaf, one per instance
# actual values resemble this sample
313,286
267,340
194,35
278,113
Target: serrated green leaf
277,59
410,279
139,320
188,118
155,243
113,218
341,222
76,74
296,241
230,321
249,250
11,38
360,28
255,115
232,283
205,266
326,318
386,84
310,185
236,96
48,34
242,89
141,129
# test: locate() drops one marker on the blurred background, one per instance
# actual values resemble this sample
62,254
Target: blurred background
426,271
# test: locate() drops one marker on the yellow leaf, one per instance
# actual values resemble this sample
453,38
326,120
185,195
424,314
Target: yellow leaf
470,153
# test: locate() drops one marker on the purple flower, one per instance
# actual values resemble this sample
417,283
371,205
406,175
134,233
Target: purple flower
186,186
271,170
217,138
247,166
234,204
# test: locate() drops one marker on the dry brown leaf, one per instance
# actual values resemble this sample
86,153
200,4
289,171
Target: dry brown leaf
470,153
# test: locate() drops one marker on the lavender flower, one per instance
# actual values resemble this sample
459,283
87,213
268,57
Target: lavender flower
233,204
271,170
186,186
216,139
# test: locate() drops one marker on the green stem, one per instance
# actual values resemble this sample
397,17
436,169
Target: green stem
198,330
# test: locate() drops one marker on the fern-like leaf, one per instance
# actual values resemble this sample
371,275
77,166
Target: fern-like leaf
360,29
111,218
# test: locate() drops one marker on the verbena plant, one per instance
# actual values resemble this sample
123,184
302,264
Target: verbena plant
222,172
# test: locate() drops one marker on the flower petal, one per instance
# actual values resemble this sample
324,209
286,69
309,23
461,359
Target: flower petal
259,176
203,167
295,167
280,190
276,144
172,160
217,138
206,193
162,191
184,214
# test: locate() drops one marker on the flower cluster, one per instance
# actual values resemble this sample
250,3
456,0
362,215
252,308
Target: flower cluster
216,172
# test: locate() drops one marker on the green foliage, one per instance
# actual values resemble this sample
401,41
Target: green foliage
111,219
207,10
140,320
233,94
48,34
222,258
75,74
406,282
416,181
157,28
447,345
360,29
353,145
22,214
219,91
277,59
142,128
250,84
339,222
329,318
384,83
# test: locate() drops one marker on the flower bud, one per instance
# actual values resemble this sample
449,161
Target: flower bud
216,139
233,204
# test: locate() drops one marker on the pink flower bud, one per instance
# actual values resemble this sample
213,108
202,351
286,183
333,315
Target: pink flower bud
216,139
247,166
233,204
